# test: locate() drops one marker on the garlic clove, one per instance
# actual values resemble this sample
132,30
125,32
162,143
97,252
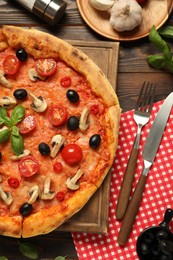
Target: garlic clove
102,5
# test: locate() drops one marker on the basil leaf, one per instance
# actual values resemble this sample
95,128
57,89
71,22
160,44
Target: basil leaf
29,250
60,258
3,258
1,121
166,31
157,61
17,114
17,143
3,114
4,135
169,66
157,40
8,122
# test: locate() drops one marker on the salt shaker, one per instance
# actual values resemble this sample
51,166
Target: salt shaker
50,11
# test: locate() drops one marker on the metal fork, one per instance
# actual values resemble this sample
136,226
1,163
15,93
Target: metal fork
141,116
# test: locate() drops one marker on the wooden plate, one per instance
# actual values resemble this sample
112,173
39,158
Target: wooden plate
155,12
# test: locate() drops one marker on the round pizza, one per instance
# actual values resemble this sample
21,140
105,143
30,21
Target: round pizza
59,121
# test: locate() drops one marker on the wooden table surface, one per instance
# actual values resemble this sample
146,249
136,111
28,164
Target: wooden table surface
132,71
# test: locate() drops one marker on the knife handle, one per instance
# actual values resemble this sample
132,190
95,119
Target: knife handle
126,186
131,212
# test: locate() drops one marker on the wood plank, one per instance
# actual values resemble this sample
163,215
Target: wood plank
94,216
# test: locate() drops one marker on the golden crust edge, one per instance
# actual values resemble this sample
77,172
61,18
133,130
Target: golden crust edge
35,225
36,43
11,226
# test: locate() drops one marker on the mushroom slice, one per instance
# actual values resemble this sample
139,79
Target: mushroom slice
72,182
3,81
34,76
39,104
8,102
34,194
56,142
5,196
47,194
83,124
17,158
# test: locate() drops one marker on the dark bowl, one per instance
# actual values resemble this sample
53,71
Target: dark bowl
156,243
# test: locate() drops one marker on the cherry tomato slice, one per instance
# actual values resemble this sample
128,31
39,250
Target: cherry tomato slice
46,67
57,167
13,182
65,82
60,195
11,64
28,166
27,125
72,154
94,109
57,115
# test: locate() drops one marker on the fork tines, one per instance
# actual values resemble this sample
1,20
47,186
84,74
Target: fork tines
146,97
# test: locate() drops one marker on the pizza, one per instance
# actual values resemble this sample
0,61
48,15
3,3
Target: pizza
59,123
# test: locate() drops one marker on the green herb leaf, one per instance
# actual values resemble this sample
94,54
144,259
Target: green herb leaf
157,61
60,258
157,40
166,31
3,258
17,114
4,135
3,114
8,122
17,143
29,250
169,66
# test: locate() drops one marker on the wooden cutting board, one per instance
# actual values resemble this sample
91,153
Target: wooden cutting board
93,217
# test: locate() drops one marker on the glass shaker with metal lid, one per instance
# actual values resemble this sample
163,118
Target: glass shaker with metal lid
50,11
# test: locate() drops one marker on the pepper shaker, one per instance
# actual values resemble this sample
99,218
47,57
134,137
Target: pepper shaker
50,11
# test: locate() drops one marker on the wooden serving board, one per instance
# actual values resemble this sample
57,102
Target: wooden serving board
93,217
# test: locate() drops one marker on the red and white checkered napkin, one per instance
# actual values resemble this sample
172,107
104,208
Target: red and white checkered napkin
157,197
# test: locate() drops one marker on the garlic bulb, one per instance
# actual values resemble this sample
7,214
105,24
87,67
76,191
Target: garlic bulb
125,15
102,5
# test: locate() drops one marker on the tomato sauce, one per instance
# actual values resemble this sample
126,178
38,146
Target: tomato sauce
54,93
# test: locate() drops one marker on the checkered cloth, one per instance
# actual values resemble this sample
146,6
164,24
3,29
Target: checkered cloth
157,197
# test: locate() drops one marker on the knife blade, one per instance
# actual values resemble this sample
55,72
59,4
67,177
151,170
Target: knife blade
149,152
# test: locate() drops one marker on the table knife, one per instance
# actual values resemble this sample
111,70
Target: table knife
149,152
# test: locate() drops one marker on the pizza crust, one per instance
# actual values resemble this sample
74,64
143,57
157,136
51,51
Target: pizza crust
11,226
42,45
35,224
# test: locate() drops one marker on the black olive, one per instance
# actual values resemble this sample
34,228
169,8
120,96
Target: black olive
20,93
0,155
44,148
72,95
144,248
94,140
162,234
21,54
156,249
165,257
148,237
25,209
73,123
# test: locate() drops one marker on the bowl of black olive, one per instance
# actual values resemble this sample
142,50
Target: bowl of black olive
156,243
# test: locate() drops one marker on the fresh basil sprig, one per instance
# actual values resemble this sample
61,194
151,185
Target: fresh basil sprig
10,128
163,60
29,250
